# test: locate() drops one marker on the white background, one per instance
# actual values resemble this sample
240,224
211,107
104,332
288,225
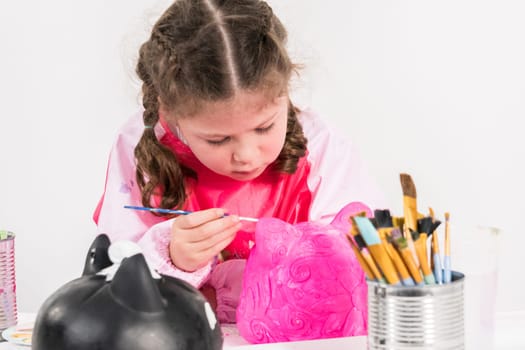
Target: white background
435,89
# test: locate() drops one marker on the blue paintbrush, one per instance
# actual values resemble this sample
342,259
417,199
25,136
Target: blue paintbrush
178,212
447,272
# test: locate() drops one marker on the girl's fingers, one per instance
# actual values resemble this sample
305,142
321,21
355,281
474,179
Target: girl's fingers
212,245
191,256
193,247
214,249
199,218
208,230
216,242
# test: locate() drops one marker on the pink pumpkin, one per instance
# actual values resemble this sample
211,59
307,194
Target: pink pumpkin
302,282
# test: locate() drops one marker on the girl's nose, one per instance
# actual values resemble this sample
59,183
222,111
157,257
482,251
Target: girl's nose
244,153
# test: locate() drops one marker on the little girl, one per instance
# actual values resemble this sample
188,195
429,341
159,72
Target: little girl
219,134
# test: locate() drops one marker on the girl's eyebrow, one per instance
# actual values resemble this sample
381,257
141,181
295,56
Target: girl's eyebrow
257,127
267,120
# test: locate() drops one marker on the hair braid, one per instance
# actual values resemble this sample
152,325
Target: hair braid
158,172
295,143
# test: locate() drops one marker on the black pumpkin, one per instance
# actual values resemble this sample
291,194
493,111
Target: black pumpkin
133,311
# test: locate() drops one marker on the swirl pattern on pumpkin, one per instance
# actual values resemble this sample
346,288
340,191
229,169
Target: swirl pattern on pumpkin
301,282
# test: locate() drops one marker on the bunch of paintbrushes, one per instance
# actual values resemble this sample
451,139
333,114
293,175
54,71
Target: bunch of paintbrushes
401,250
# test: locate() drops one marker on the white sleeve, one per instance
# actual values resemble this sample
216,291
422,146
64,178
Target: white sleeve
152,233
338,175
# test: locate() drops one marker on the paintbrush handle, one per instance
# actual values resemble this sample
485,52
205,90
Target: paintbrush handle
372,265
438,273
421,251
359,256
407,256
386,265
447,272
178,212
399,265
158,210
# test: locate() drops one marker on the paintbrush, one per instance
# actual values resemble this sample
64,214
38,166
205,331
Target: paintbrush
447,273
409,201
377,249
409,211
434,250
178,212
369,263
401,243
364,258
398,221
408,234
424,227
384,224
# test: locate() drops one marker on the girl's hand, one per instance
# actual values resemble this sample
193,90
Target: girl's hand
198,237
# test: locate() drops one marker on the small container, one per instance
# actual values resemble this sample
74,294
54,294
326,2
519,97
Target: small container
421,317
8,308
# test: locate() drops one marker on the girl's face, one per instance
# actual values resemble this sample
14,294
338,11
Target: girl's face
238,138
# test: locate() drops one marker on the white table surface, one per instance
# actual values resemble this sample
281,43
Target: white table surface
233,341
508,336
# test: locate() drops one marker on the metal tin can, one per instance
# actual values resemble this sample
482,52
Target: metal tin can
420,317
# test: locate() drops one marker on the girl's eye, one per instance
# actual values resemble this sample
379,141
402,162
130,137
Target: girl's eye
218,142
264,130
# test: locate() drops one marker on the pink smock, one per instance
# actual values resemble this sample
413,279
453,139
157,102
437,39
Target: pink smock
329,177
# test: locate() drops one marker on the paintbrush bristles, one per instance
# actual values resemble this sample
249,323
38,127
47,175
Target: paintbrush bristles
408,186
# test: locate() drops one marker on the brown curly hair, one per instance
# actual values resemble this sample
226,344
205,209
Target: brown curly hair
202,51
